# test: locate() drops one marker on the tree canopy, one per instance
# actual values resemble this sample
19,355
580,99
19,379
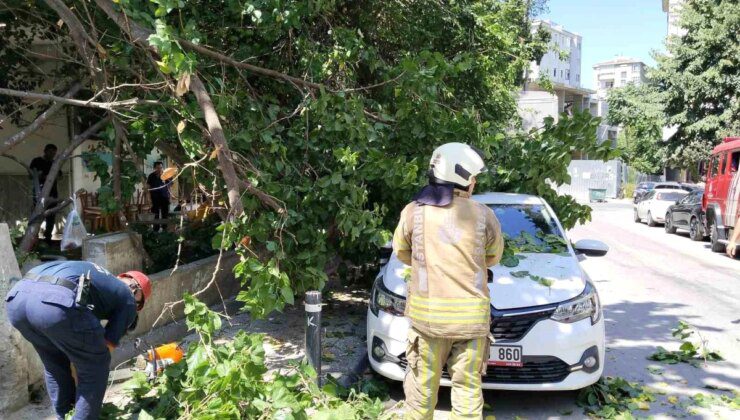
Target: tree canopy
310,121
639,110
700,76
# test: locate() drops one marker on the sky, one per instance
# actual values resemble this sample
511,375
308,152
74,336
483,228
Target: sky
610,28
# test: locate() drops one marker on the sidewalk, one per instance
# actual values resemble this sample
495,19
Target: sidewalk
343,342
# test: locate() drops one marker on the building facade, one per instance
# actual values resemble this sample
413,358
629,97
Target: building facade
619,72
672,9
561,65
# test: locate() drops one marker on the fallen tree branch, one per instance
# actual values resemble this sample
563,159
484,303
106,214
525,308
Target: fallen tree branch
18,161
32,231
225,160
265,198
79,102
140,36
18,137
52,210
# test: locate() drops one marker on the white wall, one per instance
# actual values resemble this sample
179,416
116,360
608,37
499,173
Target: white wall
611,75
566,72
535,106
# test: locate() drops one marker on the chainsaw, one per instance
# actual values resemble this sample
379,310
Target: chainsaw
156,359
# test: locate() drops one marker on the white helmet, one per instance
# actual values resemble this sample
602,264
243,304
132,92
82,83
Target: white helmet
456,163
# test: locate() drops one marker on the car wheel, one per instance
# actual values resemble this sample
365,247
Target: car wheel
637,217
714,238
669,228
696,233
650,221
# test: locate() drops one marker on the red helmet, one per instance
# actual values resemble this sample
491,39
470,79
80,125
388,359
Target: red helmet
142,280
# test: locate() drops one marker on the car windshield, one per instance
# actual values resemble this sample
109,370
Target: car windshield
529,227
667,186
670,196
646,185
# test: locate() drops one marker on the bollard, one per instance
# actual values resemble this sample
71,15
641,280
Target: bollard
313,332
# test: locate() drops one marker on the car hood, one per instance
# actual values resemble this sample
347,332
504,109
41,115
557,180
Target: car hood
515,287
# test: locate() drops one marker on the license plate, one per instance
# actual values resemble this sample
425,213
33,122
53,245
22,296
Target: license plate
506,356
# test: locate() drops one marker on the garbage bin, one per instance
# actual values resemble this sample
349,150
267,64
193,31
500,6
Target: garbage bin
597,195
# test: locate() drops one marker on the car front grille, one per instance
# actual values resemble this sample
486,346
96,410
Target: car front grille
507,325
536,370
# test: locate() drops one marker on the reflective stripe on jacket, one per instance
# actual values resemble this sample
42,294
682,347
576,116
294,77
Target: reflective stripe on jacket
449,249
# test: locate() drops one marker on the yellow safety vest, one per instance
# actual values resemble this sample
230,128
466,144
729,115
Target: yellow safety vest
449,249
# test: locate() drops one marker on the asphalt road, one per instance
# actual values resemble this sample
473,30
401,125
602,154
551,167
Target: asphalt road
648,282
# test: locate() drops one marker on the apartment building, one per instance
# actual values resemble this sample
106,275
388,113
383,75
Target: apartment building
561,65
617,73
672,8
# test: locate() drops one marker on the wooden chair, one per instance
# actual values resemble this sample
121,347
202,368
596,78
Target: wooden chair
90,212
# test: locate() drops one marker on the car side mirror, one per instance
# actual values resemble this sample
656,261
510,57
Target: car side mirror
384,253
591,247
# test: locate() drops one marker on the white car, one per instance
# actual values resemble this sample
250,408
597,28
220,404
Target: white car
549,336
654,205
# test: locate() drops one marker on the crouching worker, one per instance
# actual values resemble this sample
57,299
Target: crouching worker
58,307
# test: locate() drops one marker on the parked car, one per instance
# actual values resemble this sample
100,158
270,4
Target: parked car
691,187
642,189
556,332
653,207
721,199
687,214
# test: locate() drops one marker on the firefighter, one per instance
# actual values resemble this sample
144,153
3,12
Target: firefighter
57,307
449,240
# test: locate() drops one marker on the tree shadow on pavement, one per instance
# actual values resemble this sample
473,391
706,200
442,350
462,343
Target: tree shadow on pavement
634,331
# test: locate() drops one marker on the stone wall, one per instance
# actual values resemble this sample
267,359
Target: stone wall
169,286
20,367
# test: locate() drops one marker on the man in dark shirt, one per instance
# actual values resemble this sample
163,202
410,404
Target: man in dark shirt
160,194
63,329
41,166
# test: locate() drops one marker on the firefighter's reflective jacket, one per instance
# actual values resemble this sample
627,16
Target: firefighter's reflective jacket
449,249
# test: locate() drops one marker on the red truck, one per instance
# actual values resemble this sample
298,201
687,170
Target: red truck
721,199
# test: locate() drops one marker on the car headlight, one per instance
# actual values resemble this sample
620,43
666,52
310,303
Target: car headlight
583,306
384,299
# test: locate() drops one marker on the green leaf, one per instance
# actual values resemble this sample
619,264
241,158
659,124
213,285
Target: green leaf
287,293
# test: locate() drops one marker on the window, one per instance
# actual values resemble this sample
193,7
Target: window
722,163
554,72
735,162
670,196
518,220
578,77
714,167
561,74
696,197
567,74
624,75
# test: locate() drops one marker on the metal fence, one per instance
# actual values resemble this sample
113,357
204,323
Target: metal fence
593,174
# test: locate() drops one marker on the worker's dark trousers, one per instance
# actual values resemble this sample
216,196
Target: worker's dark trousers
46,316
161,210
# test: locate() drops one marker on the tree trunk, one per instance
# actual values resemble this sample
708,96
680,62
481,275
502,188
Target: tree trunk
32,231
219,141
